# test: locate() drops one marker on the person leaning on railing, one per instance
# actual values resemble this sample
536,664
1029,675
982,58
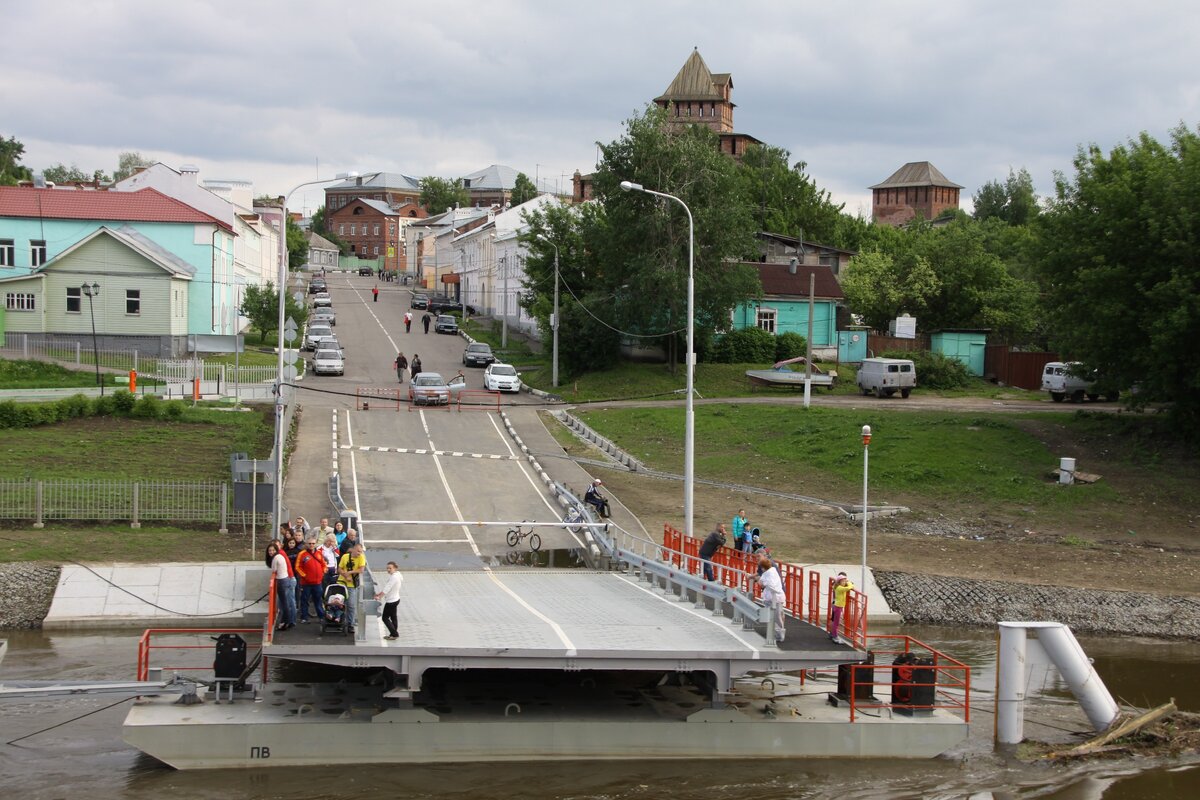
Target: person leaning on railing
772,592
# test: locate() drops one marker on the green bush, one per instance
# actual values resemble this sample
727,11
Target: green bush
75,406
8,414
147,407
934,370
104,406
123,402
174,410
745,346
790,345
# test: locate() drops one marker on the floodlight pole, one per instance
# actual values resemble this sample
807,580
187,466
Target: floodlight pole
689,442
554,326
91,290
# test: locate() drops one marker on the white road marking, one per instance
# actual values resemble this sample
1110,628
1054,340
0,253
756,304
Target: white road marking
377,322
366,448
414,541
706,616
536,488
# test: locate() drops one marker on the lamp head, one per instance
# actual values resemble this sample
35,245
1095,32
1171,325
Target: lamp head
630,186
866,435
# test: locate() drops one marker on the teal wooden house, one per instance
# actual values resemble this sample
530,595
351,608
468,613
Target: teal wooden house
967,346
784,304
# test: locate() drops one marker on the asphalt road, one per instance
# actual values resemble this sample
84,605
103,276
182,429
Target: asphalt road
424,481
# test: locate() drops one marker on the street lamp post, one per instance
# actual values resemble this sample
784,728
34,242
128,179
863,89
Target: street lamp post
689,442
91,290
866,437
283,274
554,325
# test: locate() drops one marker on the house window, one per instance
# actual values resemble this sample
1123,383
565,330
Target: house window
74,300
375,250
37,252
766,319
8,253
20,301
341,229
133,301
354,229
376,229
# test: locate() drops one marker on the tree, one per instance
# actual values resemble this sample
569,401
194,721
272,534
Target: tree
1118,248
786,200
879,289
523,189
260,305
321,226
629,251
128,163
296,245
11,171
1013,201
440,194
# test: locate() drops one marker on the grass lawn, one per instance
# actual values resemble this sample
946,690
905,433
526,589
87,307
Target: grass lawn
194,448
60,542
250,358
937,456
45,375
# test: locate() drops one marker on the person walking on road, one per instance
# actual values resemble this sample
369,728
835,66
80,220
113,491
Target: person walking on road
390,595
414,367
401,365
375,294
408,322
425,320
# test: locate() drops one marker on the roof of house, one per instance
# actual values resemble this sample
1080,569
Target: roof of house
778,280
144,205
379,180
695,81
496,177
805,242
319,242
916,173
134,240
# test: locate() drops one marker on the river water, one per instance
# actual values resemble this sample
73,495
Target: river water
87,759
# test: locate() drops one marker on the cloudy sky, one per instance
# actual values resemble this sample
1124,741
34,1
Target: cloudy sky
282,92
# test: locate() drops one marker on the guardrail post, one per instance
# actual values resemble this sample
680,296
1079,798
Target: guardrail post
137,496
38,522
224,509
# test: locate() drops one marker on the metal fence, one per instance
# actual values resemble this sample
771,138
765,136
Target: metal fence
121,501
177,370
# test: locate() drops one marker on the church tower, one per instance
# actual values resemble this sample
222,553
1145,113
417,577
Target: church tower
699,97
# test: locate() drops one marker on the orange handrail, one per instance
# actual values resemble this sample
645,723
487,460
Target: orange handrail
145,646
949,675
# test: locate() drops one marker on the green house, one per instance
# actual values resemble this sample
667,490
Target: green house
784,303
967,346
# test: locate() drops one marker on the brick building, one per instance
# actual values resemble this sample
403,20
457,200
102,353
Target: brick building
373,229
917,187
390,188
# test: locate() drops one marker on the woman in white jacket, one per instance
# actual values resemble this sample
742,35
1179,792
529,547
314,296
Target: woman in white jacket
390,594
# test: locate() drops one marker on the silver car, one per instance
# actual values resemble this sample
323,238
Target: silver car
314,334
428,388
328,362
324,316
322,299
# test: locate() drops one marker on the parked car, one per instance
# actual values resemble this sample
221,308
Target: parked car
324,316
501,378
330,343
1071,379
317,285
478,354
314,333
328,362
428,388
886,376
440,305
445,324
419,301
365,271
322,300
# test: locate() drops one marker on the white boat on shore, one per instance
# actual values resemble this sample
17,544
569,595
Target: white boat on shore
782,374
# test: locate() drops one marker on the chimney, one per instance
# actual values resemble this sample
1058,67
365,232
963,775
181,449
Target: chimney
792,266
190,171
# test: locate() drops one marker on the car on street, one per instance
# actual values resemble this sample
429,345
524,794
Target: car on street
314,333
428,389
365,271
1071,379
328,362
478,354
317,285
501,378
324,316
322,300
329,343
419,301
445,324
440,305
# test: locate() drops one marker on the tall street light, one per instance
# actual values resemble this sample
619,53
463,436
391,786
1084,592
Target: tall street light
866,437
283,273
689,442
554,325
91,290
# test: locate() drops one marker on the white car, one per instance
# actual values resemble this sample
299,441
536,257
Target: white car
322,300
324,316
501,378
314,334
329,342
328,362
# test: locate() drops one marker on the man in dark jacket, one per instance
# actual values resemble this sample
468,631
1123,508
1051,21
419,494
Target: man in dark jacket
709,548
425,320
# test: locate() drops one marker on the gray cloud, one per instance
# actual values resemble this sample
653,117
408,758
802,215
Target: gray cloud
264,90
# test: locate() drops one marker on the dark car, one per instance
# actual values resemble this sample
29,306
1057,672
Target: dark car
445,324
365,271
442,305
478,354
317,285
419,301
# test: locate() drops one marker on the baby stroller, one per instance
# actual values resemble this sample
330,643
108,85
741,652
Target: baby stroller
757,545
336,611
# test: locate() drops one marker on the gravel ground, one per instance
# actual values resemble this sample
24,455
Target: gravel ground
25,593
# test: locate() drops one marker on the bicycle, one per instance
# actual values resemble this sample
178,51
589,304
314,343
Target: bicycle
517,534
572,519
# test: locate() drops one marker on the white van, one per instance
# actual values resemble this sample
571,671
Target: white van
886,376
1063,379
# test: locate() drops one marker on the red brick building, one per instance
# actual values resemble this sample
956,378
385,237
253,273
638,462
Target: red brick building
373,229
918,186
390,188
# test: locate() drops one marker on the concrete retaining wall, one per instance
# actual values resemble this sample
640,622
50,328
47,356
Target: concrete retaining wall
940,600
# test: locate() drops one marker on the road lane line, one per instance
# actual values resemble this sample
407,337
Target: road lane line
532,482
